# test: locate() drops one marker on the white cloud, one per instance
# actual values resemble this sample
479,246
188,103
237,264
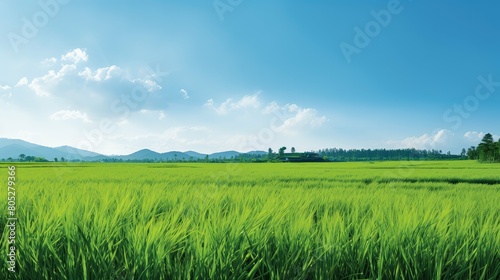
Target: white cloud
293,117
426,141
75,56
184,93
4,87
101,74
247,101
96,90
148,84
300,118
42,85
22,82
49,61
271,108
476,137
70,115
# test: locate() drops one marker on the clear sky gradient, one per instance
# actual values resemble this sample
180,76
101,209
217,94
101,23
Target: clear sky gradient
117,76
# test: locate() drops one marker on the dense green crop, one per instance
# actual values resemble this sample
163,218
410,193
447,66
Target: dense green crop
385,220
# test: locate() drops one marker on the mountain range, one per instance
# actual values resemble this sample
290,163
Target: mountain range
13,148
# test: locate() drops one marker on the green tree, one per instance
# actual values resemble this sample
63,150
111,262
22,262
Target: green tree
56,160
281,152
270,153
22,157
472,153
497,151
487,148
463,153
293,150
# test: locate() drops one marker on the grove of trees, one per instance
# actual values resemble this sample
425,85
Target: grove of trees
487,151
339,154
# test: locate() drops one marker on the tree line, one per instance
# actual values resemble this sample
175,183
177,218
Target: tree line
487,151
339,154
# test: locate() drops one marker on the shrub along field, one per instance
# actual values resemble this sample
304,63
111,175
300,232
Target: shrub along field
385,220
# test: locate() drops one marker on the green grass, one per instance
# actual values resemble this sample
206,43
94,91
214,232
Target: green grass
385,220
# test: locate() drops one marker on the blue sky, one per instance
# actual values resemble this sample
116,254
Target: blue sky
247,75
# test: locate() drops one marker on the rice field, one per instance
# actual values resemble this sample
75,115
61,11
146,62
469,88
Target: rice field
381,220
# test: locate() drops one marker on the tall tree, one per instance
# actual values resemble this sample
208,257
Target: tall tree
293,150
282,152
22,157
487,148
463,153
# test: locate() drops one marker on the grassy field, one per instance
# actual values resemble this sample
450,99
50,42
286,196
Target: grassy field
382,220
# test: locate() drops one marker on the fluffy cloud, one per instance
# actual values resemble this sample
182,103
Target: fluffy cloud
476,137
103,92
293,117
425,141
148,84
75,56
70,115
4,87
272,107
22,82
289,119
247,101
301,118
101,74
42,85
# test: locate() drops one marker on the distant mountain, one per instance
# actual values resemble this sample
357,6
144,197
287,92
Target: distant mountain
141,154
75,151
259,153
223,155
195,155
12,148
7,141
147,154
176,155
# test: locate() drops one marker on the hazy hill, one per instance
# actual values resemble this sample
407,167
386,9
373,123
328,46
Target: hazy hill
222,155
12,148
